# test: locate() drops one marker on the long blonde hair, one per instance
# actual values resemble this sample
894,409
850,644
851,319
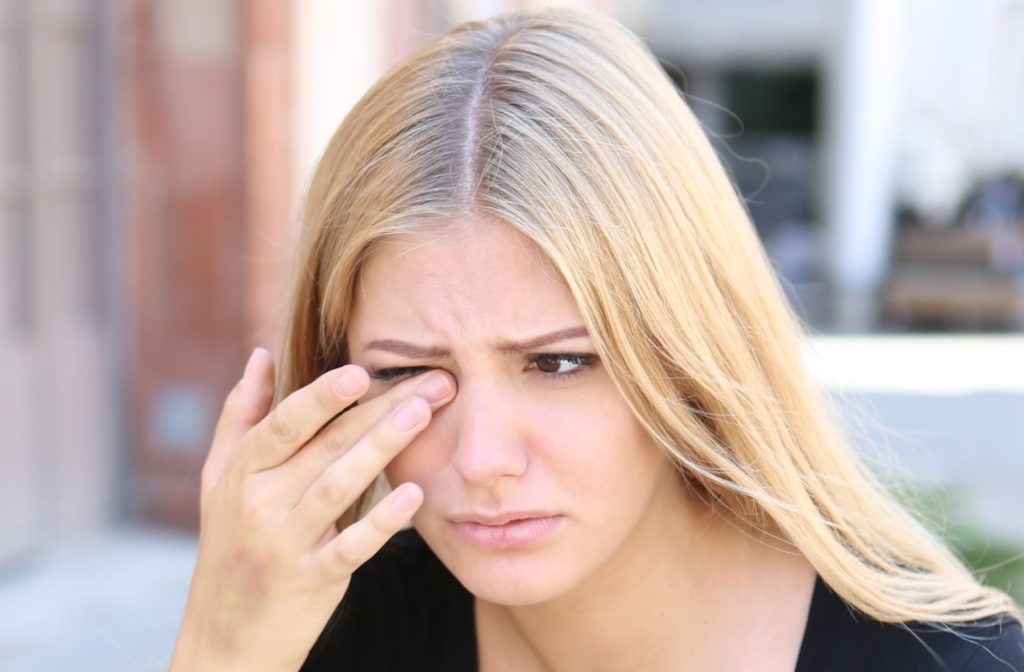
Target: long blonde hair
563,125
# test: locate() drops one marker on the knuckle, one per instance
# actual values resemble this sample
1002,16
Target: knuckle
257,514
381,523
384,439
280,426
395,401
330,490
383,404
344,554
391,399
323,394
337,440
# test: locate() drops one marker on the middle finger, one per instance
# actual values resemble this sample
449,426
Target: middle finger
346,478
436,387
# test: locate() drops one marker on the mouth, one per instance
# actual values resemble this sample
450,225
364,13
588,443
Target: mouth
507,531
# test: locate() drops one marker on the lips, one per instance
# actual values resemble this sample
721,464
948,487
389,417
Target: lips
506,530
499,518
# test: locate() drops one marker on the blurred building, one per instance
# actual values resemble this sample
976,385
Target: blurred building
836,116
153,153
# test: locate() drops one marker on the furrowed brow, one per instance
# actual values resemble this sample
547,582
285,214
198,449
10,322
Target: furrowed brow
410,350
519,347
414,351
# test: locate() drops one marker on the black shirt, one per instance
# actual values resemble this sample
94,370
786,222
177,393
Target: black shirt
405,611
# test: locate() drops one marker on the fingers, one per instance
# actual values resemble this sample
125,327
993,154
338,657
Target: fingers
257,392
346,478
436,387
246,404
358,542
300,416
297,475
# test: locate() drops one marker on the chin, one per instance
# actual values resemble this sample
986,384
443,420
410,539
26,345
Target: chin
513,579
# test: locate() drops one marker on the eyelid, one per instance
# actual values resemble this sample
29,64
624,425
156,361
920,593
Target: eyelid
583,361
585,356
390,373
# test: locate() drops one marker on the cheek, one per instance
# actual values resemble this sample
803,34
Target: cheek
608,452
594,448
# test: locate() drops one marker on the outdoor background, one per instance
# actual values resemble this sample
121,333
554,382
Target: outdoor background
153,154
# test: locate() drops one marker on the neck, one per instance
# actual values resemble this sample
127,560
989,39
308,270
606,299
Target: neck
689,592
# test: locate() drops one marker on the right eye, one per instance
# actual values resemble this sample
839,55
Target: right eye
396,372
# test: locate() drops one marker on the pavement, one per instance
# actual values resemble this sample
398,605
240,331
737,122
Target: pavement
110,602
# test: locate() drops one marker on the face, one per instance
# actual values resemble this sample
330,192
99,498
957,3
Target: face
538,479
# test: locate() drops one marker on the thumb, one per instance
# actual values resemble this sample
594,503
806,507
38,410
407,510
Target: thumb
246,404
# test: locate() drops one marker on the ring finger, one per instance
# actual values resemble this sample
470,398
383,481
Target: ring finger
295,476
349,476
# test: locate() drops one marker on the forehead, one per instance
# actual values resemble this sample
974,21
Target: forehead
484,277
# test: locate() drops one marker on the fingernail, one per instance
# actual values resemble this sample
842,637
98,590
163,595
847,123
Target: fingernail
409,414
349,383
435,388
407,499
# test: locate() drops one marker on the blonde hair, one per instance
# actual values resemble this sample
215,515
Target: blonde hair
563,125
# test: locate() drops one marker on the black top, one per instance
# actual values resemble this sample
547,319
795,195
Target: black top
405,611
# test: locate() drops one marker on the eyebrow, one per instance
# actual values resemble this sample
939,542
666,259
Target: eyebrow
413,351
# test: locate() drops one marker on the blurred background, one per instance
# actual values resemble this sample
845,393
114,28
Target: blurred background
153,155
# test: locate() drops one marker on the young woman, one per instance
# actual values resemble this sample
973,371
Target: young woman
529,300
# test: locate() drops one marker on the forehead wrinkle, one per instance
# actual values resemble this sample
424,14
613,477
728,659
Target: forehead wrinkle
444,311
507,348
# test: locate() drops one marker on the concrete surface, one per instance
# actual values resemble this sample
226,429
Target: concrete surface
108,603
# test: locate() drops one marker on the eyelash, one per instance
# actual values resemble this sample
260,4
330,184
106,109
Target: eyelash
581,362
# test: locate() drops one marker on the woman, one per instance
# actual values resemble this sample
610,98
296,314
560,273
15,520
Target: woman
527,277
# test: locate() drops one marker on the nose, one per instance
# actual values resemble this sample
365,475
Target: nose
489,445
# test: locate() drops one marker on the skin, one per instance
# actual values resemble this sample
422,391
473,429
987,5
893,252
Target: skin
271,567
592,593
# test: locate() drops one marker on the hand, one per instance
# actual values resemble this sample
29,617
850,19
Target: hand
272,567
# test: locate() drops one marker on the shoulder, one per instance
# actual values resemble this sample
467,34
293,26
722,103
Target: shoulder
841,639
401,608
1001,647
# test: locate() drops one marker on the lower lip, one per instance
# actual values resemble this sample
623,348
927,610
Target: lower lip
510,535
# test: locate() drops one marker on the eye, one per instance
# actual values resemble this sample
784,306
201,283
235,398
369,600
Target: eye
397,372
562,365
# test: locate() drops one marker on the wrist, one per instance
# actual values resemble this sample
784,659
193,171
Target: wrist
194,652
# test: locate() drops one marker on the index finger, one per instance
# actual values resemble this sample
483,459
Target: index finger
300,416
